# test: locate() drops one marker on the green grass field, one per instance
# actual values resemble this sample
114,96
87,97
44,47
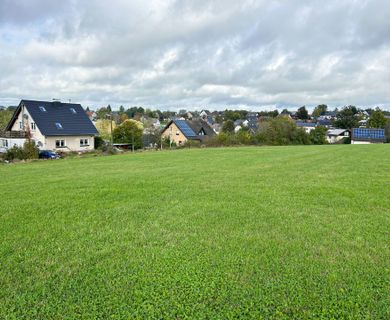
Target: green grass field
268,232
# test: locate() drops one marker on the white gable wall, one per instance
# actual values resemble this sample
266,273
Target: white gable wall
36,134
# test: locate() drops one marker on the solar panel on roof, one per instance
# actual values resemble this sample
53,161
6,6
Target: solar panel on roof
364,133
185,128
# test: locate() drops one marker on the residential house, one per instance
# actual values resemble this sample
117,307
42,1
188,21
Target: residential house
91,115
363,123
52,125
307,126
328,115
252,117
239,124
336,135
217,127
180,131
204,114
367,136
189,115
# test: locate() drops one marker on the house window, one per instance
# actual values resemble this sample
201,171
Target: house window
3,143
177,133
73,110
33,126
84,142
20,125
59,125
201,132
60,143
42,109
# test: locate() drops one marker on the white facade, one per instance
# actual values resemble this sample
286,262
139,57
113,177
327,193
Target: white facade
7,143
336,135
25,122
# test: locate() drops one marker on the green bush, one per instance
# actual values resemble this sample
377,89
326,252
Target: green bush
192,144
108,149
130,131
28,151
318,135
14,153
98,142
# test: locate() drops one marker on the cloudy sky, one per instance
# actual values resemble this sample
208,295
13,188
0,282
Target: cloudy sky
191,54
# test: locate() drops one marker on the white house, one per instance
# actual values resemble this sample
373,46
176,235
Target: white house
52,125
336,135
307,126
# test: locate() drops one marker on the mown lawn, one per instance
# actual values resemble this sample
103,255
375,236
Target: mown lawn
276,232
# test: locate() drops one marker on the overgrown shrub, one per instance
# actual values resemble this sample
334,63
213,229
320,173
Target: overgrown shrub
98,142
28,151
14,153
281,131
108,149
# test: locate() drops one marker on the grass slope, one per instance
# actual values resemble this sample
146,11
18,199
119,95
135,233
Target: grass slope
279,232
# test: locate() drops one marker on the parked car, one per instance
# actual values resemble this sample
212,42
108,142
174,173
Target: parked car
47,154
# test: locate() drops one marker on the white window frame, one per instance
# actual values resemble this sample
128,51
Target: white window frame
42,108
33,126
84,142
59,126
20,125
60,143
73,110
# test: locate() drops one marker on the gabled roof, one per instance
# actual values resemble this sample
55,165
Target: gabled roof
336,132
193,129
199,125
47,115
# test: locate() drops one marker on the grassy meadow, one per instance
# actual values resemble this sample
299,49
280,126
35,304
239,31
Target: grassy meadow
268,232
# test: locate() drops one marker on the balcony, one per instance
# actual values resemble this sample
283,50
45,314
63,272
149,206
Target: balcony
14,134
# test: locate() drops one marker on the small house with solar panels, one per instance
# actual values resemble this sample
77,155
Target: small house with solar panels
180,131
367,136
52,125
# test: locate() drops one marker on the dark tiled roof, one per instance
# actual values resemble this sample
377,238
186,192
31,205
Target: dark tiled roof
192,129
199,125
71,117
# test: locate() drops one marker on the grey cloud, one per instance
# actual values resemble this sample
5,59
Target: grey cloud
194,53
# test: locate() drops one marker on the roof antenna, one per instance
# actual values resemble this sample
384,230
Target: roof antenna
58,100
